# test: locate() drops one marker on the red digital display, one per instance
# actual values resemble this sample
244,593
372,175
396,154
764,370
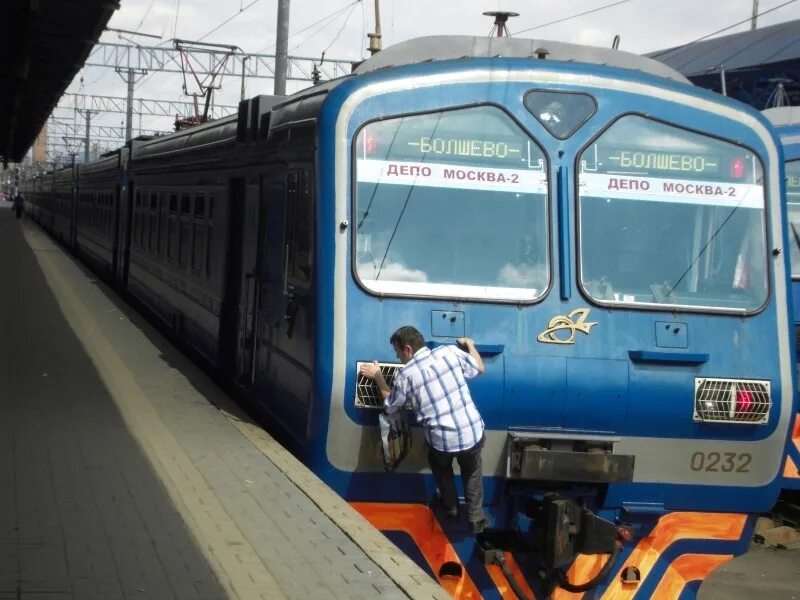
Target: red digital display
737,168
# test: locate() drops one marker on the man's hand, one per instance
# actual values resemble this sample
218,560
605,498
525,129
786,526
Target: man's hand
468,344
371,370
465,342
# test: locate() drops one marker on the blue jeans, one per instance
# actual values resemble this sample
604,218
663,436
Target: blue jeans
469,461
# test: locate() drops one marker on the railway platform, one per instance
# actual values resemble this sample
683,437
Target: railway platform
126,473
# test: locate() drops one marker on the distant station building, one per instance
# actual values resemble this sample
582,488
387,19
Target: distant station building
759,67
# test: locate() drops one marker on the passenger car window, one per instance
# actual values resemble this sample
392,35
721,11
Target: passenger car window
671,217
451,203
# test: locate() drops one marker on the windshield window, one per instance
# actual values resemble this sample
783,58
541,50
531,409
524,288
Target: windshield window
793,202
671,217
451,204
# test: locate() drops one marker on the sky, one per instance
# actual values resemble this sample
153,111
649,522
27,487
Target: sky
339,28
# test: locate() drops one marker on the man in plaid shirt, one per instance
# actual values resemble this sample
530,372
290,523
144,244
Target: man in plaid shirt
434,382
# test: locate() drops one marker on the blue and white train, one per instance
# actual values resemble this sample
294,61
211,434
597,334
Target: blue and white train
612,237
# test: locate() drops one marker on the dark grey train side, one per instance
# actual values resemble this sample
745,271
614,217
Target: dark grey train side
97,191
201,200
175,223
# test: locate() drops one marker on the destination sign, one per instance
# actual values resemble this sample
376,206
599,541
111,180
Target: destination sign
627,160
477,148
511,152
734,165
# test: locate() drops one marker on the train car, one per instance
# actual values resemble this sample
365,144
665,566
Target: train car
612,240
49,201
38,193
611,236
786,120
186,192
97,203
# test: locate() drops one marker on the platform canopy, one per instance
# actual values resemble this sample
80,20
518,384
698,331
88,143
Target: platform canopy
43,44
757,65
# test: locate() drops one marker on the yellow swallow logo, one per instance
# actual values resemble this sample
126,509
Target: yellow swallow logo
569,322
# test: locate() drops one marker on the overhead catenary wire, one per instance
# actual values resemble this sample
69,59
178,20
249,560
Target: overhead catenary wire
346,19
363,26
324,20
228,20
144,16
587,12
177,15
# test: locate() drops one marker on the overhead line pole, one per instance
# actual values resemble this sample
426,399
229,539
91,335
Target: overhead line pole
131,74
375,38
87,136
282,48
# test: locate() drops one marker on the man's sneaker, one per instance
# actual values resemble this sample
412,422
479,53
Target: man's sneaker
449,513
476,527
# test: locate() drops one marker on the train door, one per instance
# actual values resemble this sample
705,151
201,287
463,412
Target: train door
118,191
246,195
283,363
233,314
124,234
270,298
73,214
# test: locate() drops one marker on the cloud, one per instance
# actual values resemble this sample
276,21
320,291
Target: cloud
317,25
391,271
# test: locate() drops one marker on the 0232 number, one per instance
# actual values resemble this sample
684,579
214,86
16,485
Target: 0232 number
724,462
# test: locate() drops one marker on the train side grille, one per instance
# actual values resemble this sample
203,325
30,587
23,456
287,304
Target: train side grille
739,401
367,394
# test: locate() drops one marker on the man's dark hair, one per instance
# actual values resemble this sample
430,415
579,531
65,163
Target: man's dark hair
407,336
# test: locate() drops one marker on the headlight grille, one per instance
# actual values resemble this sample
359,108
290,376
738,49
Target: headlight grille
740,401
367,393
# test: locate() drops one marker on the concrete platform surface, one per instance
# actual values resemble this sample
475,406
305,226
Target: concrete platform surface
761,574
126,473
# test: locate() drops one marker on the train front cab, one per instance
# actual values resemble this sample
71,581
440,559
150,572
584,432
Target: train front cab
786,120
613,244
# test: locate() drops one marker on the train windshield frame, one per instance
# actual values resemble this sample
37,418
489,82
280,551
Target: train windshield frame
671,218
451,204
793,214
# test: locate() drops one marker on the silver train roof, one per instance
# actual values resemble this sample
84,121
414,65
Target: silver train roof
444,47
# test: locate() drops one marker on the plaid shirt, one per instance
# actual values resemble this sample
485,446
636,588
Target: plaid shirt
435,383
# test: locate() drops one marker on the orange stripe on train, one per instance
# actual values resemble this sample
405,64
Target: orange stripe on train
790,470
670,529
584,568
420,523
501,583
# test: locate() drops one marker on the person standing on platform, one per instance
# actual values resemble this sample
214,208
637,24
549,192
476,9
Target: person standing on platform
434,382
19,204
